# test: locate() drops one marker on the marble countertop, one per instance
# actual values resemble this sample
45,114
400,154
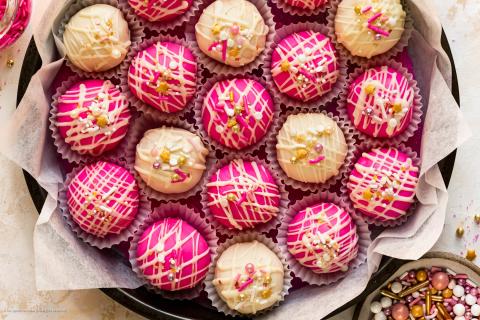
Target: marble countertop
18,296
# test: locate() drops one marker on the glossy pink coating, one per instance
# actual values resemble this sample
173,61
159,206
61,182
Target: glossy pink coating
19,24
160,10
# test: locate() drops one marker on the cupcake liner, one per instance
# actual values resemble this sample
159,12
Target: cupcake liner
296,11
365,147
313,187
217,67
198,114
213,296
337,89
401,44
141,106
261,228
165,26
145,123
305,273
417,103
112,239
177,210
136,35
63,148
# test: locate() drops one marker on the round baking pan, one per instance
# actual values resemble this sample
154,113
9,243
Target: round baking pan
154,306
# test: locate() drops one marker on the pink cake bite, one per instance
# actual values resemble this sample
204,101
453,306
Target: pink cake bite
160,10
304,65
237,113
380,102
242,195
172,255
323,238
93,117
103,199
382,184
307,4
164,76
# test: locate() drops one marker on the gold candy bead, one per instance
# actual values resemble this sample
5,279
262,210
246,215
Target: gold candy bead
10,63
421,275
242,296
447,293
471,254
266,293
285,66
175,177
182,160
367,195
165,155
397,107
231,197
267,279
370,89
162,87
417,311
477,218
301,153
460,231
358,9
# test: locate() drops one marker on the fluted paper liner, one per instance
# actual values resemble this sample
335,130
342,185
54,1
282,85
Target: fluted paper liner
417,103
136,35
213,296
111,239
297,11
337,88
261,228
304,186
218,67
305,273
187,214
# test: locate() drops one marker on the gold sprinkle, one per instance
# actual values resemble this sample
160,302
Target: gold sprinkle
165,155
216,29
242,296
293,160
358,10
397,107
447,293
102,121
109,23
266,293
301,153
477,218
175,177
234,52
232,123
232,97
460,231
370,89
162,87
236,128
182,160
231,197
285,66
10,63
238,109
471,254
367,195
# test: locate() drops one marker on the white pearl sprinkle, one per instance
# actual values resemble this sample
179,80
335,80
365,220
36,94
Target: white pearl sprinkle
380,316
375,307
475,310
470,299
396,287
459,309
386,302
458,291
173,65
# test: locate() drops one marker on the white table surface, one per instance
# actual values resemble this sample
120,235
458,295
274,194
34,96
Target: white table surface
18,296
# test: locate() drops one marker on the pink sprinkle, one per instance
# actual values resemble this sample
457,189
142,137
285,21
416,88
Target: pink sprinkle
461,276
245,104
435,269
374,17
213,45
241,120
366,9
235,29
414,302
378,30
242,198
317,160
245,284
183,175
224,50
307,75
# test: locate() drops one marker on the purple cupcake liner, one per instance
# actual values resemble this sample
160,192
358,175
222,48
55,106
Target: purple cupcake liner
305,273
297,11
260,228
338,87
187,214
213,296
111,239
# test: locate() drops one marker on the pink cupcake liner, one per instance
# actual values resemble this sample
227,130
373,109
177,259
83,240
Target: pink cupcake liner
177,210
213,296
141,106
296,11
166,25
112,239
261,228
198,114
417,103
136,35
402,43
220,68
313,187
145,123
306,274
63,148
365,147
339,86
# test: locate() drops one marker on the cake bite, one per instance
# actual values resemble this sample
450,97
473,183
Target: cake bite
304,65
92,117
164,76
160,10
369,28
97,38
381,102
103,199
249,277
170,160
172,255
383,183
237,113
311,147
243,194
323,238
232,32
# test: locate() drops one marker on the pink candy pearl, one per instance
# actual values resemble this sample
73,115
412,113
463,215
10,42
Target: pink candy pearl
478,301
473,292
239,41
319,147
400,312
235,29
440,281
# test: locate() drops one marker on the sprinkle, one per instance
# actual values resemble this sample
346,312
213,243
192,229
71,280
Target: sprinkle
245,103
366,9
476,218
216,29
307,75
231,96
242,198
235,29
182,176
245,285
241,121
10,63
224,50
459,232
301,153
471,254
162,87
379,30
173,65
370,89
317,160
231,197
374,17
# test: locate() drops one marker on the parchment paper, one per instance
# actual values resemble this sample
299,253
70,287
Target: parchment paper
64,262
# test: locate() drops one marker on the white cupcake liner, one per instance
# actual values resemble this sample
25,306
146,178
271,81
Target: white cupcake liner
344,190
145,123
136,35
199,122
111,239
63,148
260,228
313,187
296,11
338,87
399,47
417,103
306,274
187,214
217,67
213,296
138,104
